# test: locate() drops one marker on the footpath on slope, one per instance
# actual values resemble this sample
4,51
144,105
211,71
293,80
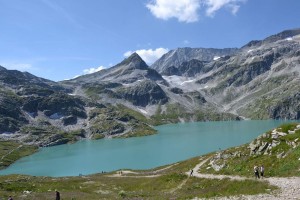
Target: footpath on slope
289,188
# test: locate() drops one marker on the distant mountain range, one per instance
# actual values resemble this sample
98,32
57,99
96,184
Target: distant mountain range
257,81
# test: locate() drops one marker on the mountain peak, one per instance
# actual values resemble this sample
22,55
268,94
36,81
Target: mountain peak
176,57
135,61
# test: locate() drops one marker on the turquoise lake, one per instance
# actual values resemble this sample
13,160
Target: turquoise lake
174,142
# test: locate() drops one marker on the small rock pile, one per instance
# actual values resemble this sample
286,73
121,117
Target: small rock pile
218,162
262,147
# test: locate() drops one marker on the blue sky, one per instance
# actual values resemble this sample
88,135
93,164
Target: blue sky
60,39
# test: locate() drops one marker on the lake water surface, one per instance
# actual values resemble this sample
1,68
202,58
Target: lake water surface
174,142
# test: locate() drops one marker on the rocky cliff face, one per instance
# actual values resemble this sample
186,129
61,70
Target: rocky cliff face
144,93
176,57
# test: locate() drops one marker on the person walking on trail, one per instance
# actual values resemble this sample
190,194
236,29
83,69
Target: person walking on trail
256,171
57,195
191,174
262,171
10,198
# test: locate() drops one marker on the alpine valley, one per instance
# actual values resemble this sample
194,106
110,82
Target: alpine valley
260,80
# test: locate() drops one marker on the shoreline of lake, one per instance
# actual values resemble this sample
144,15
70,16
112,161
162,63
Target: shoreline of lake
173,143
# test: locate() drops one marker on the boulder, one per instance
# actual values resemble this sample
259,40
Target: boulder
281,155
263,147
69,120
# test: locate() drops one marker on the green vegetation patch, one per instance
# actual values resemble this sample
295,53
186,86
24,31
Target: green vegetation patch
176,112
11,151
112,120
170,185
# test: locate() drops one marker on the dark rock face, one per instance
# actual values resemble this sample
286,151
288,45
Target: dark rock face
11,116
188,69
69,120
31,103
64,104
248,72
197,96
144,93
288,108
176,90
54,140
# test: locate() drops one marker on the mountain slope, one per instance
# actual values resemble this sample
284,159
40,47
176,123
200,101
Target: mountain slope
261,80
135,85
128,71
254,82
175,58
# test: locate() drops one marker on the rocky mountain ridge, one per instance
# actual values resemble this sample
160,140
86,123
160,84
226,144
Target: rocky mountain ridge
258,81
175,58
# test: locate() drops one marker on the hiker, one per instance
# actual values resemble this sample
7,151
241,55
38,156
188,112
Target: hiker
262,171
191,174
256,172
10,198
57,195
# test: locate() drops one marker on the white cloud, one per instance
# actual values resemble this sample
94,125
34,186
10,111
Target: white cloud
188,10
186,42
148,55
93,70
214,5
183,10
128,53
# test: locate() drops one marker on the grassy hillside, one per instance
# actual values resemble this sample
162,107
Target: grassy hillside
11,151
280,155
168,182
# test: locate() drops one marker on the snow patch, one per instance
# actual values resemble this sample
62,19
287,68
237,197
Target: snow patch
250,50
189,81
205,86
216,58
143,111
289,39
7,134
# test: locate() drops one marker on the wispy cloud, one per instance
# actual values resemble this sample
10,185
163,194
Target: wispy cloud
148,55
186,42
89,71
93,70
189,10
214,5
60,10
18,66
